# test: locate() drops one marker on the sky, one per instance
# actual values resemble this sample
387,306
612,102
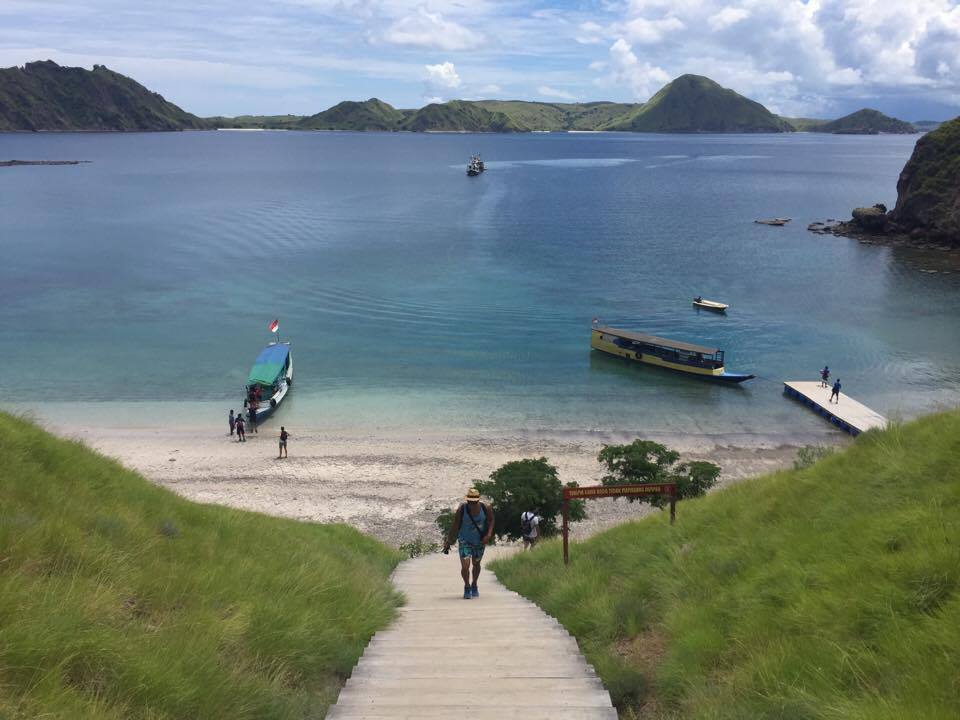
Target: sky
801,58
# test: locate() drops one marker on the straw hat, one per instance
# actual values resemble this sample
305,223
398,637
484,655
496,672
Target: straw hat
473,495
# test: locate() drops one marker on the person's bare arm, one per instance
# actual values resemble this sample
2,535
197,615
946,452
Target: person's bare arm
489,535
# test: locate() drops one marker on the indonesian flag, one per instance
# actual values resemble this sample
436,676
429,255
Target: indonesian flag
274,326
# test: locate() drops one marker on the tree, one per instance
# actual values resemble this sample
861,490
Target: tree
522,485
645,461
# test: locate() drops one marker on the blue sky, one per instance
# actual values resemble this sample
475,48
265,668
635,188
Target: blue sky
816,58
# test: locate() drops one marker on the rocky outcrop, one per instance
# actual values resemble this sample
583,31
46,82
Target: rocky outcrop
928,191
928,198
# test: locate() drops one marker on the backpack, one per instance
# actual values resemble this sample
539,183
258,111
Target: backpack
526,523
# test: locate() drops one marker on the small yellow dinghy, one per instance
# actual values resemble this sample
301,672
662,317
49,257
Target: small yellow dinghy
699,302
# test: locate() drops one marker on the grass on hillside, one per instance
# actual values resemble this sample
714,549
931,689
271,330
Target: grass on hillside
120,600
829,592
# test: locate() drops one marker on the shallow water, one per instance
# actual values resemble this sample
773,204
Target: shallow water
419,298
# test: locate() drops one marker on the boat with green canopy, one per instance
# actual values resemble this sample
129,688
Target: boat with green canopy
270,377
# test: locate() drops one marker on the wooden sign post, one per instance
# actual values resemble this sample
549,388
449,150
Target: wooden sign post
602,491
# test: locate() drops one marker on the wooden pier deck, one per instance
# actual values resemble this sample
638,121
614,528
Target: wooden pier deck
848,414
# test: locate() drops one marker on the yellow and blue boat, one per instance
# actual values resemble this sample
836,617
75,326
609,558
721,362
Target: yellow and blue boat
698,360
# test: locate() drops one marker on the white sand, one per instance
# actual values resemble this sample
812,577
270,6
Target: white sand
391,486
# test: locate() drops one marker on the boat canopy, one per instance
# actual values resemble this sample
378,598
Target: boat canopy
658,341
268,365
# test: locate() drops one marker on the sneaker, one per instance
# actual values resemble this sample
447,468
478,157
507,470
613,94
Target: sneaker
474,592
466,593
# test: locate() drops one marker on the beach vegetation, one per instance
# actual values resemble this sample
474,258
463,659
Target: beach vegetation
119,599
827,592
418,546
649,462
811,454
528,485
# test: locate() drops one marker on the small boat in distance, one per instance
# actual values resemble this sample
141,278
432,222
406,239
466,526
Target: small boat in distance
270,378
719,307
698,360
476,166
773,221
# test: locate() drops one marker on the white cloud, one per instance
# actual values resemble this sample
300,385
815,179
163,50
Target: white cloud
442,75
547,91
645,31
427,29
643,78
727,17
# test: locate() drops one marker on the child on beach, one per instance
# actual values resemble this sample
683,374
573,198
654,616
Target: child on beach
233,421
283,442
241,437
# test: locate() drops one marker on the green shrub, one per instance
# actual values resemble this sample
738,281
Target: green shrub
810,454
522,485
417,547
648,462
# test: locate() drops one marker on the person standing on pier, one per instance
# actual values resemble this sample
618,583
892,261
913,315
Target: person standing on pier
836,391
825,377
473,528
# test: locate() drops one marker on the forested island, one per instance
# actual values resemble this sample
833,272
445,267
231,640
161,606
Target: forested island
44,96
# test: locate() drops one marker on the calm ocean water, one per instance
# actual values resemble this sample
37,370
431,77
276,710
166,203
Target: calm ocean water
420,299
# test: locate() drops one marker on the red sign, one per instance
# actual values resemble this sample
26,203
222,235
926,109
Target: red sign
602,491
598,491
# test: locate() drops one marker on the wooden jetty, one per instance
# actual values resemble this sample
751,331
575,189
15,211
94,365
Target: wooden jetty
848,414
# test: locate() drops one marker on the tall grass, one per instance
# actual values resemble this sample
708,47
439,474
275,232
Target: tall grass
120,600
829,592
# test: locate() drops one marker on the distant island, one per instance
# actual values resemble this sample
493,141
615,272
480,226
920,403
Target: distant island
861,122
43,96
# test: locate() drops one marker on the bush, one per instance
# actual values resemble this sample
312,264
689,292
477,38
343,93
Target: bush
810,454
645,461
522,485
418,547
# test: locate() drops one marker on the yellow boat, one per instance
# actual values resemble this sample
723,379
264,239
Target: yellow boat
710,305
704,362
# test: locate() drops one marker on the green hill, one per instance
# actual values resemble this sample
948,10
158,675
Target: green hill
459,116
864,122
558,116
693,103
44,96
928,190
372,114
120,600
256,122
831,592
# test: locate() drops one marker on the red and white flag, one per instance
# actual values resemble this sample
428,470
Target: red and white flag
274,326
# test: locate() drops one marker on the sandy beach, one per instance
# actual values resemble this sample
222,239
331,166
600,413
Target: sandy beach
391,486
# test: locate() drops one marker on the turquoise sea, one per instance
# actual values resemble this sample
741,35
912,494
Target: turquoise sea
138,288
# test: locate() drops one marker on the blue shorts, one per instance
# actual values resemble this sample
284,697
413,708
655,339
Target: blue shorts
468,550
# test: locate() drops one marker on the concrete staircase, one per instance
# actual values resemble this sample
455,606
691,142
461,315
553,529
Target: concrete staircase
496,657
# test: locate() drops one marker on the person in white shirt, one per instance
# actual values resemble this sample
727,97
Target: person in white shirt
530,528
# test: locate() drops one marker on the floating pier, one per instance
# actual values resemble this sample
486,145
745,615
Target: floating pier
848,414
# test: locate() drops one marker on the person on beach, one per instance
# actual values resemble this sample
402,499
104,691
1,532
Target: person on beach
530,528
836,391
233,421
283,442
825,377
241,436
252,415
472,527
